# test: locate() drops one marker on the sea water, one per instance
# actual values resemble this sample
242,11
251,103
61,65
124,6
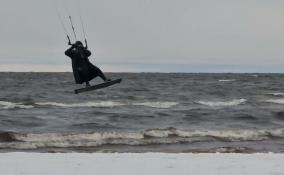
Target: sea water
147,112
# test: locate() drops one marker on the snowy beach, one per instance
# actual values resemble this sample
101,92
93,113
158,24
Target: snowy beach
140,164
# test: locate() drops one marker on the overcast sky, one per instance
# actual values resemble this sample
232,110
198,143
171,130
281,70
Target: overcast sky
147,35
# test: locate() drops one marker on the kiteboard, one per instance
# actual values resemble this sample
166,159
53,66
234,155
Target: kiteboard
98,86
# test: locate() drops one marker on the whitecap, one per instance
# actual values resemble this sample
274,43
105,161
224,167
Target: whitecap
11,105
148,137
88,137
159,132
277,101
222,103
33,141
86,104
232,135
162,105
227,80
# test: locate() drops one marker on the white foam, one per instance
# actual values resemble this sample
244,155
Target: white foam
86,104
89,137
33,141
152,136
157,104
10,105
160,132
238,135
108,104
277,101
223,103
231,135
227,80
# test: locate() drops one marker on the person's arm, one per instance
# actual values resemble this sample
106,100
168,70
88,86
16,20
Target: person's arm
88,53
69,51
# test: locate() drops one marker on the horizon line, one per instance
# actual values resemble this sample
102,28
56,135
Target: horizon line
150,68
152,72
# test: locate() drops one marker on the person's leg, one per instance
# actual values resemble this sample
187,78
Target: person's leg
101,74
87,84
94,71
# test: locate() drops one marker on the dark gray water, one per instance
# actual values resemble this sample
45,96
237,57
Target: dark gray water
146,112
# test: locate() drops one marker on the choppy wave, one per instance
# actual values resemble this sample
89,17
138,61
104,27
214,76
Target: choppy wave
277,101
152,136
229,135
11,105
157,104
109,104
279,115
222,103
229,80
276,93
232,150
86,104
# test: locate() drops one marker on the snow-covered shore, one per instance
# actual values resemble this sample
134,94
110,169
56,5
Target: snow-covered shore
140,164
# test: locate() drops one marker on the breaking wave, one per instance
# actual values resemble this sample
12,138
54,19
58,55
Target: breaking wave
11,105
110,104
227,80
86,104
147,137
222,103
157,104
277,101
106,104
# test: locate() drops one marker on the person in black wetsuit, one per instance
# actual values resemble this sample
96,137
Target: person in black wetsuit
83,70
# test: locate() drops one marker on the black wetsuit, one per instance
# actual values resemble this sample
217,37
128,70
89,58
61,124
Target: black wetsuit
83,69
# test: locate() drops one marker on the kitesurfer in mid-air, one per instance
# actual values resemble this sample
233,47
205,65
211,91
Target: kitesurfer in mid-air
83,70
